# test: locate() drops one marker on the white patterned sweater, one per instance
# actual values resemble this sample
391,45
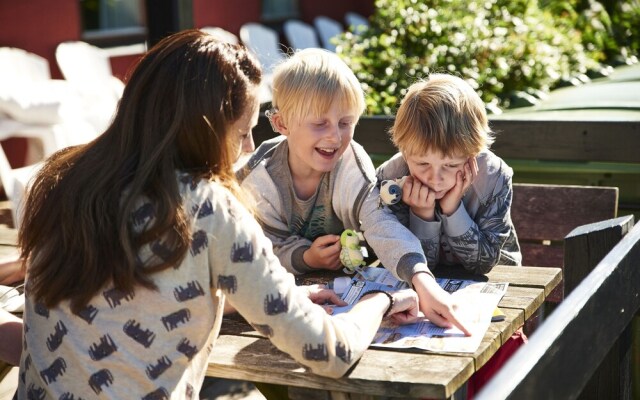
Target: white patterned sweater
155,344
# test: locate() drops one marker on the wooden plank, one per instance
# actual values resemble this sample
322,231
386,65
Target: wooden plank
544,214
297,393
550,140
585,247
526,299
514,320
380,373
550,212
615,141
536,277
540,254
566,349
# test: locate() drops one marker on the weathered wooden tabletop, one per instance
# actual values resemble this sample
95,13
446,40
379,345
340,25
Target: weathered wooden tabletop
242,353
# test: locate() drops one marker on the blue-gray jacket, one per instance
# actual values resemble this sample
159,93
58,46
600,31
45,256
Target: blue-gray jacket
480,233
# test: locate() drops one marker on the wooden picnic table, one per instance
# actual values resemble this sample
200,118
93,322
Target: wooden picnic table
242,353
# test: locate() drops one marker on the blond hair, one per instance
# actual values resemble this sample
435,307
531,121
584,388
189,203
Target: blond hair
442,114
309,81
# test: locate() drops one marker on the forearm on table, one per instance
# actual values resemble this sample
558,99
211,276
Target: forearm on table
368,313
423,283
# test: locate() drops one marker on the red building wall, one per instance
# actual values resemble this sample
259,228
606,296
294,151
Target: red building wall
225,14
38,26
335,9
219,13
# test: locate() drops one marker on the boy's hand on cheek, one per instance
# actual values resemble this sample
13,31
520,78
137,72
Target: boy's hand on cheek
324,253
419,198
451,201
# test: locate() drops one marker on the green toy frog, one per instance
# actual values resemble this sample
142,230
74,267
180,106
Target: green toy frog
352,253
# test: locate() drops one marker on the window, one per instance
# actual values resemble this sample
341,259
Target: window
113,22
279,10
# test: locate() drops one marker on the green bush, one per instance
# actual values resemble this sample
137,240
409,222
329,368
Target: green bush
502,47
609,29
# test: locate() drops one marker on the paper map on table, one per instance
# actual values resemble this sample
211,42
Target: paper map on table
476,304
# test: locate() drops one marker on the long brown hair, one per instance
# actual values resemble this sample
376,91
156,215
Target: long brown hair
174,115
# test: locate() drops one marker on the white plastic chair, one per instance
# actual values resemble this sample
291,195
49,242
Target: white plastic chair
355,22
300,35
17,63
221,34
15,183
36,107
327,28
20,73
265,44
88,69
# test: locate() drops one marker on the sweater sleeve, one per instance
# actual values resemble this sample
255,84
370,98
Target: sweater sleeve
396,247
428,232
247,273
478,244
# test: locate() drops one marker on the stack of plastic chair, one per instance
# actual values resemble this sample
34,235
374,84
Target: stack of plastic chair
265,44
15,183
36,107
327,28
300,35
23,112
88,69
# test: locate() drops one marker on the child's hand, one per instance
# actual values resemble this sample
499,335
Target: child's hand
324,253
327,298
451,201
405,308
419,198
436,304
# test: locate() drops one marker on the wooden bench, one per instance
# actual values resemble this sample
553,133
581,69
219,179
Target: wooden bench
544,214
583,350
